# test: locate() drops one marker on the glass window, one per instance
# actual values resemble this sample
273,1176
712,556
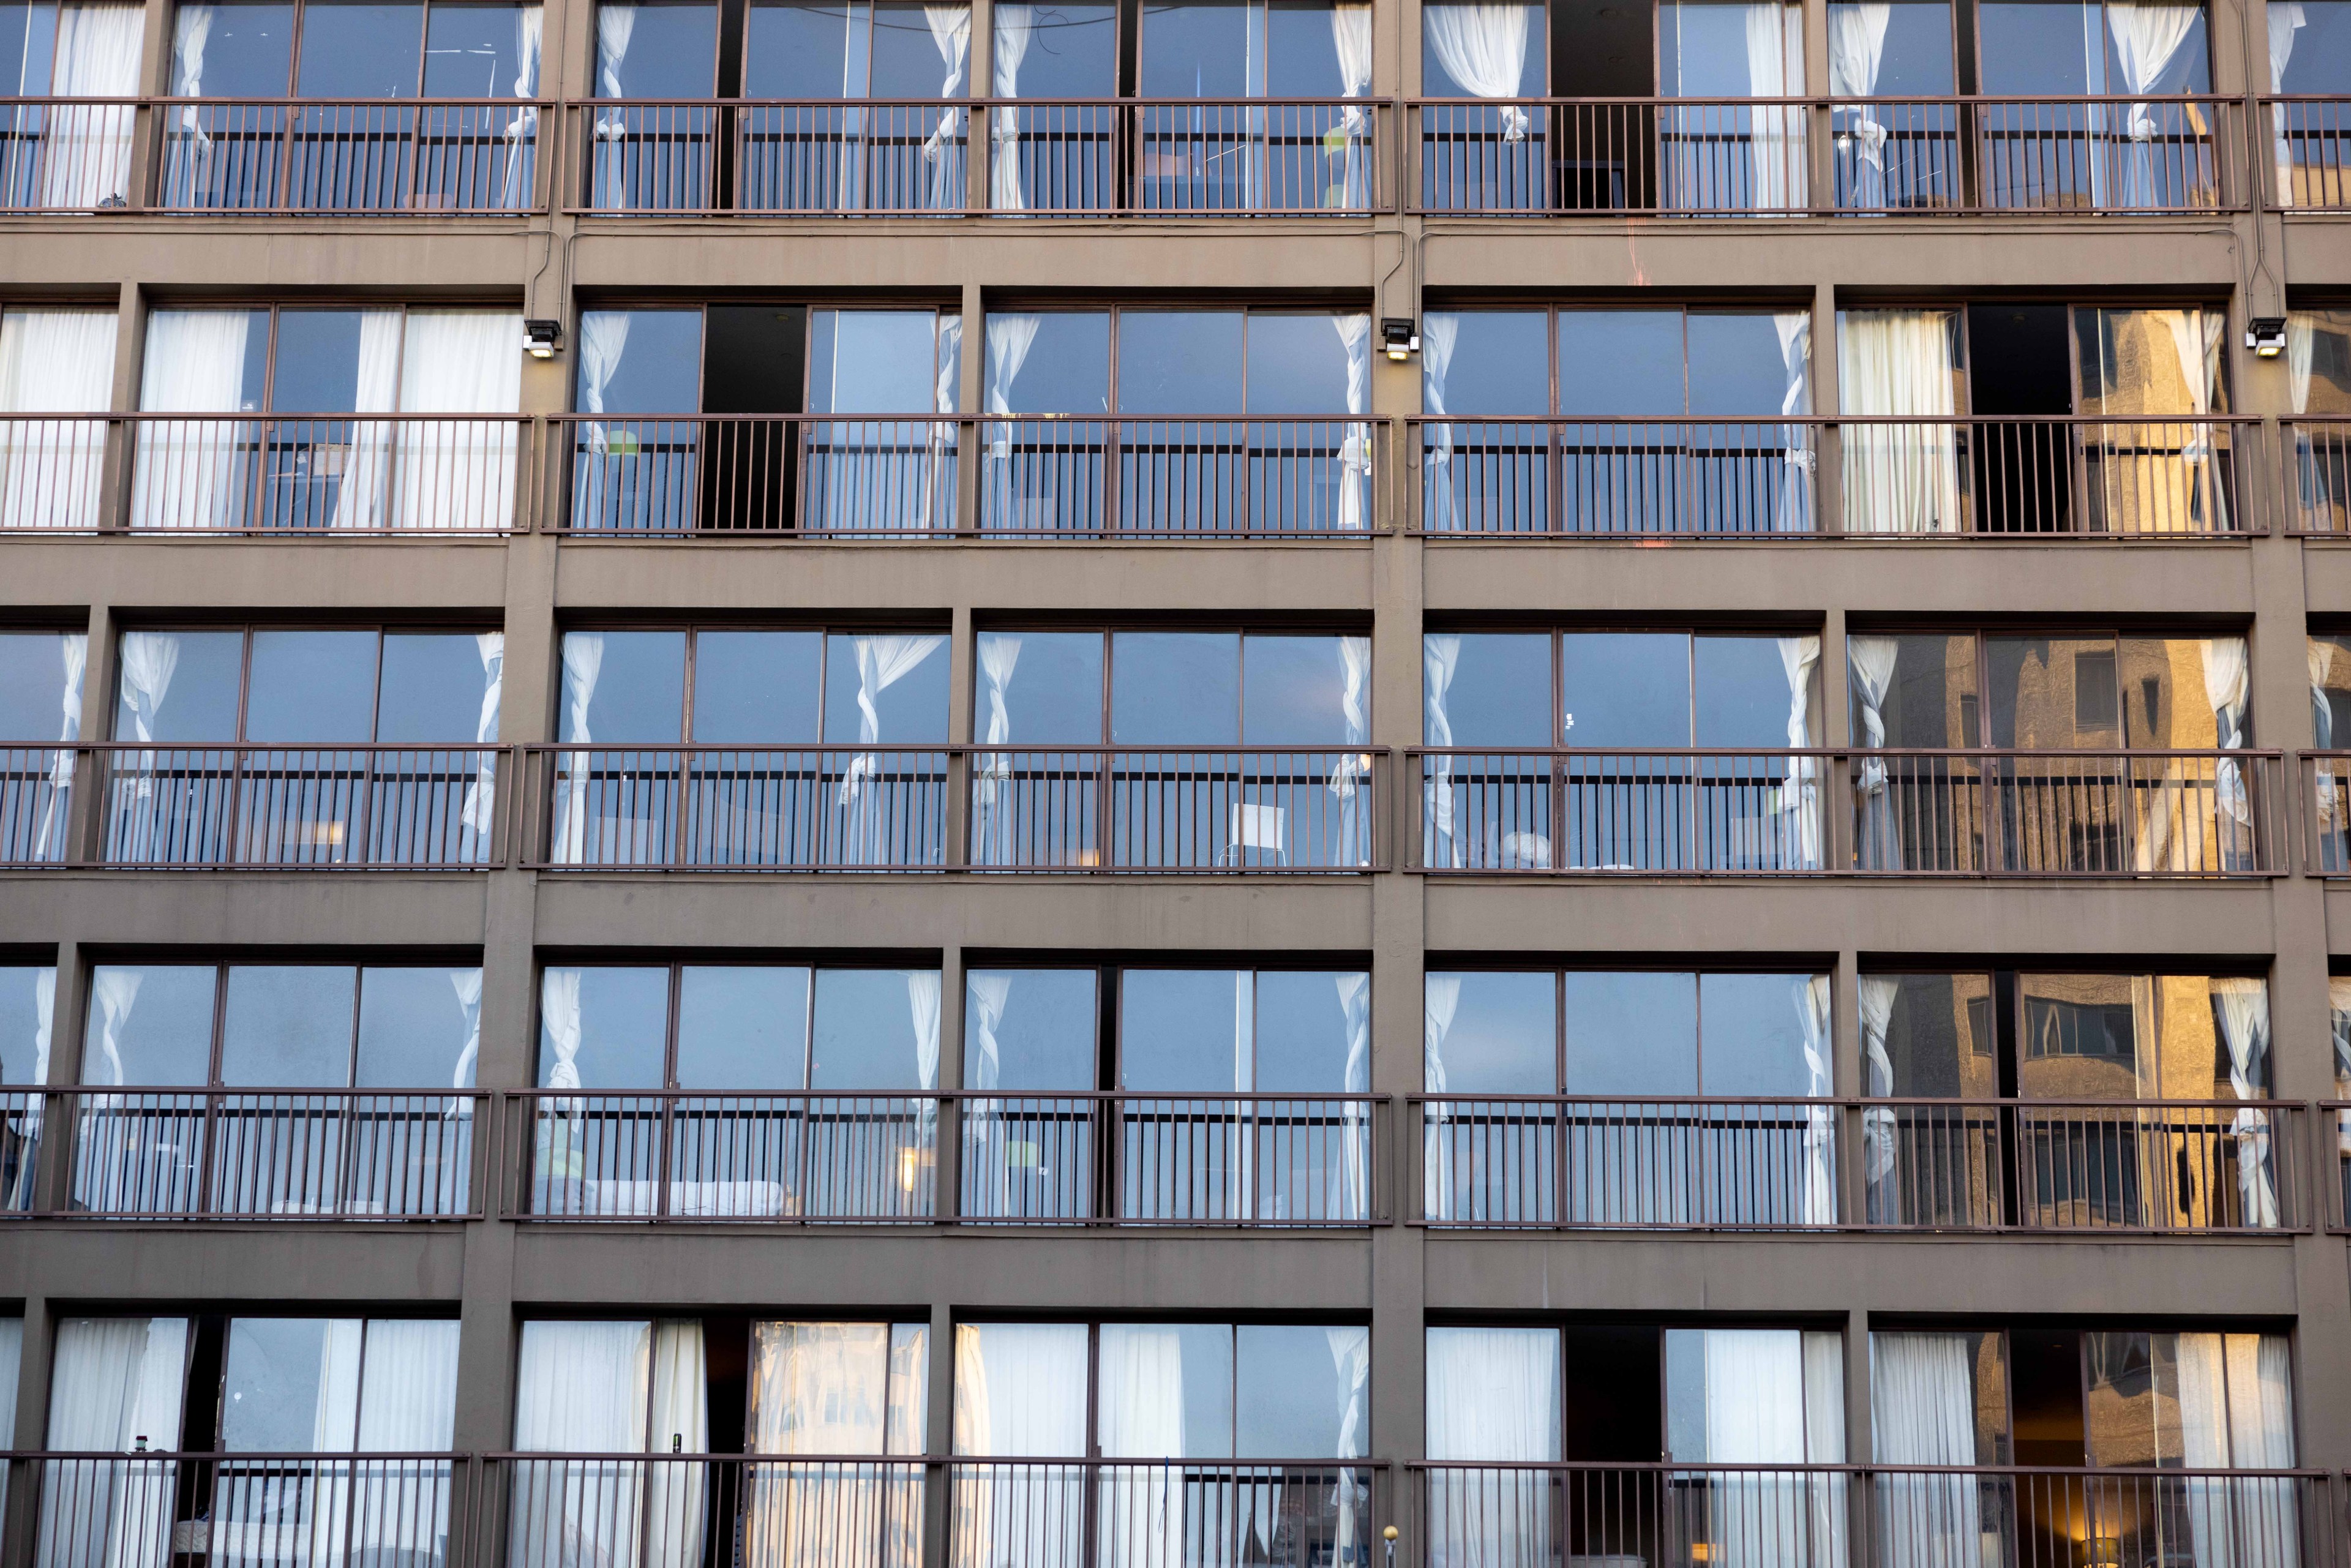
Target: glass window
40,684
1493,1394
2330,691
1186,1030
1300,1391
360,48
657,49
1625,1033
1915,690
477,50
1305,691
1625,689
1478,363
2151,361
1940,1038
875,1030
179,687
838,1388
885,688
621,687
1066,50
758,687
1630,1033
858,49
1030,1030
288,1026
1052,361
1914,56
311,687
1754,1397
304,1386
1181,361
2317,54
2036,48
1620,690
284,1026
1621,363
742,1027
1492,1032
617,1026
28,1022
418,1027
1303,363
243,48
151,1025
1483,51
880,361
1175,688
642,361
1487,689
1045,689
432,688
1943,1382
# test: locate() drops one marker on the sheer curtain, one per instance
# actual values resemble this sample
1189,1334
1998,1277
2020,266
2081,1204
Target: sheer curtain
1493,1398
1794,512
2243,1008
478,815
458,473
1440,1000
1141,1383
2236,1412
1351,1200
1351,44
1797,844
603,340
1441,657
1856,48
1922,1404
584,662
53,471
1350,826
190,473
1439,331
1020,1392
580,1388
2228,686
2150,46
1869,665
1900,478
2338,1025
1880,1141
406,1390
367,462
1776,145
1007,192
943,188
615,25
2193,492
1773,1400
86,150
1818,1203
2286,17
881,663
1484,48
832,1389
116,1385
519,185
677,1423
149,660
995,816
23,1125
1009,336
1355,447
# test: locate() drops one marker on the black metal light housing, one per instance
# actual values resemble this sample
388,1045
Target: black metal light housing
541,338
1400,337
2265,336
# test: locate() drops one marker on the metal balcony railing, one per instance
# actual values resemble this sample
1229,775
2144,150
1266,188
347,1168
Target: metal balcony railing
2304,141
1671,1515
2333,1163
2067,813
816,476
333,474
1773,157
256,1510
2314,470
410,156
706,808
274,806
1137,808
269,1154
1216,475
1891,477
1189,157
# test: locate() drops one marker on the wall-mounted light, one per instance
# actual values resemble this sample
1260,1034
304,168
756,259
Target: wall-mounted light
542,340
1397,334
2265,336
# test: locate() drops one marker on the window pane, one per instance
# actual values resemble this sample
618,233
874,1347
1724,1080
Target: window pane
470,51
25,1040
2150,361
1179,362
1752,1037
1192,50
1301,58
150,1024
1743,695
1071,49
416,1027
1297,1394
1499,365
742,1025
873,361
1493,1394
288,1026
246,53
906,53
1184,1032
1021,1390
1303,1044
623,1021
362,50
1045,689
1628,689
317,365
902,679
433,685
866,1029
673,52
1298,363
1929,696
2321,61
179,687
1916,58
1702,50
623,688
654,361
2081,1037
1737,365
1167,1391
1621,363
28,38
758,687
313,686
2134,1388
1502,1038
1295,690
1451,48
2171,689
1631,1033
807,51
1940,1040
820,1388
1499,693
291,1386
1175,688
2193,1057
2052,691
40,686
1061,364
1042,1033
1915,1375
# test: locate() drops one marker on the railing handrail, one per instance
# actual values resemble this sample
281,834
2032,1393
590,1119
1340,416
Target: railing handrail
1817,420
576,416
542,1092
1110,102
444,1091
428,101
1090,1460
250,747
1856,1101
1806,99
1834,751
860,747
1865,1468
336,1455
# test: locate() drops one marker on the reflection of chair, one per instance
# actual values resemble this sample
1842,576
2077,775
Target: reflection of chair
1261,828
1523,852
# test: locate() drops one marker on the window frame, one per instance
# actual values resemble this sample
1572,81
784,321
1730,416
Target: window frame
275,308
807,304
300,8
246,631
1111,633
1117,309
825,632
1551,309
1556,711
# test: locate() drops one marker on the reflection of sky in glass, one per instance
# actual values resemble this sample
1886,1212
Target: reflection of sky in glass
199,703
1055,695
314,687
288,1025
1175,688
1185,1030
873,362
912,709
413,1031
362,50
742,1025
1290,1401
1045,1037
640,692
756,687
624,1026
1632,1032
1501,694
673,52
19,1018
33,683
1073,51
1503,1040
1751,1036
167,1036
865,1031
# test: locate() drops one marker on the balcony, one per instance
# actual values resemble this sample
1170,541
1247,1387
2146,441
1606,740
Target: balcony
278,475
267,1510
1749,157
1830,1516
255,807
2309,137
2041,1167
2334,1162
407,156
1178,158
1890,478
682,475
258,1155
2316,455
1250,1161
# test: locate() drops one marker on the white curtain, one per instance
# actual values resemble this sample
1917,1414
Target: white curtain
1009,337
881,663
834,1388
2338,1025
678,1422
1795,836
1484,48
479,812
615,25
1900,478
1818,1203
994,816
149,660
1869,665
2236,1412
559,1011
2177,491
1493,1397
580,1388
943,186
603,340
86,148
1880,1144
584,662
1773,1398
1141,1383
1777,145
24,1124
2301,345
1015,24
2151,36
408,1395
1440,1000
1794,512
1439,331
1020,1392
405,1393
1351,44
1351,1200
458,473
2243,1012
922,1004
2286,18
53,470
1922,1404
1856,48
2228,686
1440,656
1355,447
190,472
367,461
516,189
116,1385
1350,827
